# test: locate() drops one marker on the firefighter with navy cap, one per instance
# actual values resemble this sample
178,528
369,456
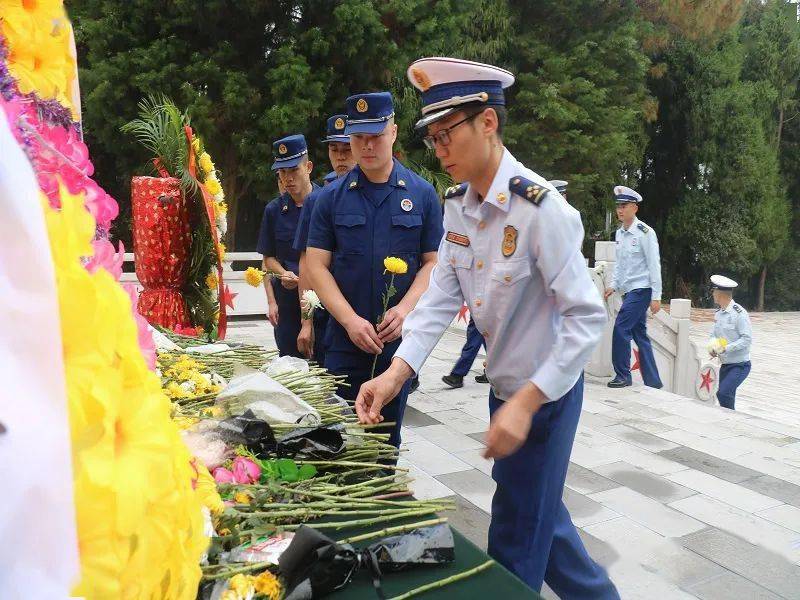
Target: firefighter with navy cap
379,209
731,323
512,252
311,340
275,239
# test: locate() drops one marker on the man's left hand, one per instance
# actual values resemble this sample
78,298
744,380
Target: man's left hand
391,327
655,306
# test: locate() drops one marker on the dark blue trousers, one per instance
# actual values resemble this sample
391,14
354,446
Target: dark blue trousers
320,326
357,367
469,351
531,532
731,377
631,323
288,327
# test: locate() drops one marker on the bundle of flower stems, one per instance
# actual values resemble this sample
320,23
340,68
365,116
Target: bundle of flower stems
360,487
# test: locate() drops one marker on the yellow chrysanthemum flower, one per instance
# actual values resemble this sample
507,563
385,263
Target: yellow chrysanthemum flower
242,498
213,186
395,265
206,163
268,585
254,276
221,249
242,584
139,522
222,208
211,281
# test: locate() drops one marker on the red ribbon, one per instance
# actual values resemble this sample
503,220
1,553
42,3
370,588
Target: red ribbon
208,201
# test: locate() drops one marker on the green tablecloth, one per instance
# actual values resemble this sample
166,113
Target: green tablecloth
493,584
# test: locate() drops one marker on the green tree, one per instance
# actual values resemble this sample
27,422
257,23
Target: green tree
578,109
773,43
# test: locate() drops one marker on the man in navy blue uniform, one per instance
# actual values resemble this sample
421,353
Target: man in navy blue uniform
379,209
310,342
278,227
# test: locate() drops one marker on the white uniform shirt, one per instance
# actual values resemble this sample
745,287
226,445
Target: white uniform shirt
638,263
733,324
520,270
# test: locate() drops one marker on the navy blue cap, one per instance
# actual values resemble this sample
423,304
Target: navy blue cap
289,151
335,129
369,113
449,84
332,176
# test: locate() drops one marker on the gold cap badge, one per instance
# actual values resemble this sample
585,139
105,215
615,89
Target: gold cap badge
282,149
361,105
422,79
339,124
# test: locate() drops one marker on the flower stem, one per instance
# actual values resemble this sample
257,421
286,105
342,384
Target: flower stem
391,531
443,582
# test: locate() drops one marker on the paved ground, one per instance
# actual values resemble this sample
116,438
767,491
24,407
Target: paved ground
677,499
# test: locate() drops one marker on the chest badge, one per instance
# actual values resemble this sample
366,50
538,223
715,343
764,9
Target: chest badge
285,208
509,240
406,204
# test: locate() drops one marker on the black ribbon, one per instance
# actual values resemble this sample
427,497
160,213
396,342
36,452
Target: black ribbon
314,565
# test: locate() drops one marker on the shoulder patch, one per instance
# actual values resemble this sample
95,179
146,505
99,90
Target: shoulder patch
643,228
527,189
456,191
737,308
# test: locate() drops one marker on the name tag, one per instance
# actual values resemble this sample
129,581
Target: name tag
457,238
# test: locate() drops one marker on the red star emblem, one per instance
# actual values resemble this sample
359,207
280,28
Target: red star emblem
462,314
706,380
228,296
635,360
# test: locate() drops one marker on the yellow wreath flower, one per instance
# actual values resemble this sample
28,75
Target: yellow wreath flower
206,163
395,265
211,281
139,522
213,186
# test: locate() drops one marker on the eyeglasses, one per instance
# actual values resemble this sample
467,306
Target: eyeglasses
442,137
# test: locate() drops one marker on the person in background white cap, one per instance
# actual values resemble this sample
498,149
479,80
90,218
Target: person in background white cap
731,323
561,186
512,251
637,276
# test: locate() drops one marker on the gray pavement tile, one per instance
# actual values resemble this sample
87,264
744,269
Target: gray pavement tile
644,482
474,485
724,469
416,418
587,481
731,585
774,488
638,438
585,511
481,437
768,569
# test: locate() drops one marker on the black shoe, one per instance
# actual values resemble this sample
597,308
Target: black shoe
481,378
619,383
414,385
454,381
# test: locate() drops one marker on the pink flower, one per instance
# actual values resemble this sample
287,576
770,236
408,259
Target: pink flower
245,470
223,475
